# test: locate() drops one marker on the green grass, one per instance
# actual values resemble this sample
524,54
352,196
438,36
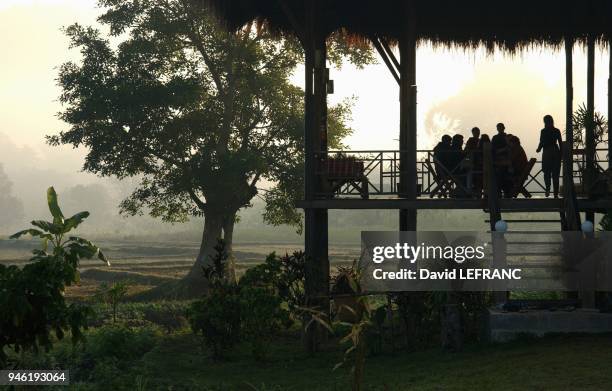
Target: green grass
142,353
552,363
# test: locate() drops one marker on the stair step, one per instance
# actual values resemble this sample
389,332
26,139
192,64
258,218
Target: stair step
529,232
528,221
532,254
545,210
525,243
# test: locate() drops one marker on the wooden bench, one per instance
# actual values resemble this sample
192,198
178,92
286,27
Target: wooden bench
341,171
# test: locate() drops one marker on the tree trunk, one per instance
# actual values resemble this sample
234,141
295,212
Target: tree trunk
228,236
216,226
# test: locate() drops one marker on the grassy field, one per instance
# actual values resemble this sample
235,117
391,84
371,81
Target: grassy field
176,361
149,264
554,363
151,347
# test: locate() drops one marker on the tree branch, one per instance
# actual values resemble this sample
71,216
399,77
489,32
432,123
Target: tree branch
194,197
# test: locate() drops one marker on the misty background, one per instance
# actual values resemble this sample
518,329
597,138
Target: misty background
457,90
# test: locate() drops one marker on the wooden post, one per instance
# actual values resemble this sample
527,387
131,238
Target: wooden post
590,127
315,140
569,93
610,105
408,117
571,216
586,296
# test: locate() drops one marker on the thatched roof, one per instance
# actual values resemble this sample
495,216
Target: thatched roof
509,24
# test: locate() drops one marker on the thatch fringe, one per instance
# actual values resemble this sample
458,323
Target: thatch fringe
509,25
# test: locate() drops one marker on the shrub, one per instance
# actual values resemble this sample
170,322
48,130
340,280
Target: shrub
251,310
285,275
32,302
171,316
121,342
217,318
112,295
262,316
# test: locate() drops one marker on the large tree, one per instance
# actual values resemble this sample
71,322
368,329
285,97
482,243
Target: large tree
202,116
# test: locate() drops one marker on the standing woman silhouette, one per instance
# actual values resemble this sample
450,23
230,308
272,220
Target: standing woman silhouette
550,145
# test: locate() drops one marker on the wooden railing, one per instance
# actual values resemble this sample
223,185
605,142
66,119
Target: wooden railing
379,175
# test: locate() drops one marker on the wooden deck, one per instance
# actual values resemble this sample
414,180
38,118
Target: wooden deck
506,204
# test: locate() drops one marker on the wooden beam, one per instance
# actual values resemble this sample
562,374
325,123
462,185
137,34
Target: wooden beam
383,54
505,204
408,117
389,52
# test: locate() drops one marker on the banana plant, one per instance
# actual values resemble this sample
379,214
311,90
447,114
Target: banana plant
32,300
55,233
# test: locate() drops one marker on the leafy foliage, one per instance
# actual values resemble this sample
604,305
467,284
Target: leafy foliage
252,310
605,224
200,114
217,317
284,275
112,295
356,337
581,120
262,316
216,273
32,302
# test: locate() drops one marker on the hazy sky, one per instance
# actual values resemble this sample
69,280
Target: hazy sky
456,89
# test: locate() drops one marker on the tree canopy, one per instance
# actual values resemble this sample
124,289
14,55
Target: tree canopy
202,116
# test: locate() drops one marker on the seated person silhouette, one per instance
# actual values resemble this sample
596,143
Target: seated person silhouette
518,161
456,154
518,157
442,155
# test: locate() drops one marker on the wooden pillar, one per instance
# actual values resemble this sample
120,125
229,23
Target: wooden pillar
315,140
590,124
610,104
569,92
570,216
408,117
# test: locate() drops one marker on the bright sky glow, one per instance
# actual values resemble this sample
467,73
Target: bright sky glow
456,89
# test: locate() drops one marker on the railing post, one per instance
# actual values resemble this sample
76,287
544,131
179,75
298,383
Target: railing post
570,203
490,184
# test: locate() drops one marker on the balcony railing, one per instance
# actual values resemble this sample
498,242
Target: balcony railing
369,173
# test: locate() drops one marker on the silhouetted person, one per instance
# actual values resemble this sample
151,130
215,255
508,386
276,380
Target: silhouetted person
442,154
472,143
471,153
481,181
518,161
550,145
456,154
501,158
